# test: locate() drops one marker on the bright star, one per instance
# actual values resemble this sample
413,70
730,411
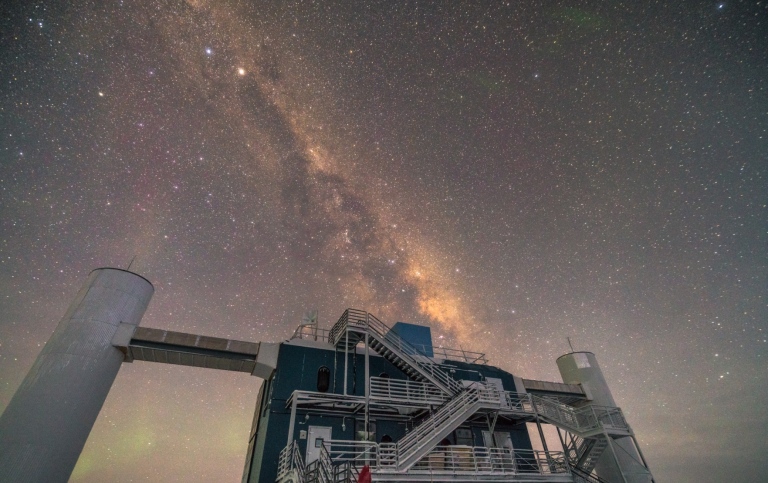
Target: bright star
241,71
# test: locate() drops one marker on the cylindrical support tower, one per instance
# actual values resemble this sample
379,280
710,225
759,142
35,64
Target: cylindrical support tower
45,426
582,368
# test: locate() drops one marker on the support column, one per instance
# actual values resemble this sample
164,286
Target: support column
292,424
346,356
582,368
45,426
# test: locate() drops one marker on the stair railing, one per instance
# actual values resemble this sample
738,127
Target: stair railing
406,391
390,339
581,476
457,409
580,420
290,459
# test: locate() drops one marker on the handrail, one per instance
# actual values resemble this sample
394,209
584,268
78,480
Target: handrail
580,420
315,333
518,401
290,459
325,465
405,391
406,351
471,399
312,331
353,452
449,459
461,355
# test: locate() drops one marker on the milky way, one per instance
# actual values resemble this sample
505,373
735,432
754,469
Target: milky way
511,174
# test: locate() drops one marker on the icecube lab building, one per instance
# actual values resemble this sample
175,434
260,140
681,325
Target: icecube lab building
360,397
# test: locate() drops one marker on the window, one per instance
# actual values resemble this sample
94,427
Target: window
323,379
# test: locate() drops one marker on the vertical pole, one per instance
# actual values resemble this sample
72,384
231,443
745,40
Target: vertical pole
292,424
46,424
541,435
562,442
566,454
367,381
346,356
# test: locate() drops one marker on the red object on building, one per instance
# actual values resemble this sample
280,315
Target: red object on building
365,475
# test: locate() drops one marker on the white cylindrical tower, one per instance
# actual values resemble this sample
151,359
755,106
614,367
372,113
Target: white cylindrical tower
582,368
45,426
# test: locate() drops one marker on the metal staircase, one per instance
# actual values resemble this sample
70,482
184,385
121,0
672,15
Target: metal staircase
291,468
588,427
353,326
581,476
586,422
421,440
356,325
584,453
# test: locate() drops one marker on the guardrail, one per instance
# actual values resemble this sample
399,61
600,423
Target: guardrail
406,391
458,355
449,415
354,453
517,402
311,332
448,459
353,318
290,459
478,459
581,420
321,470
611,417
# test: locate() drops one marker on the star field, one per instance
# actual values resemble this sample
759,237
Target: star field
510,173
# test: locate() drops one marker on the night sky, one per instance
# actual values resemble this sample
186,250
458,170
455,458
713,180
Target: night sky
510,173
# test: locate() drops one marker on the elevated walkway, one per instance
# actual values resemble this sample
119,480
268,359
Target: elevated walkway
342,461
179,348
586,422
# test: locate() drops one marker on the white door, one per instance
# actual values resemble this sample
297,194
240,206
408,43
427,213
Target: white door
500,439
499,385
503,440
315,437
